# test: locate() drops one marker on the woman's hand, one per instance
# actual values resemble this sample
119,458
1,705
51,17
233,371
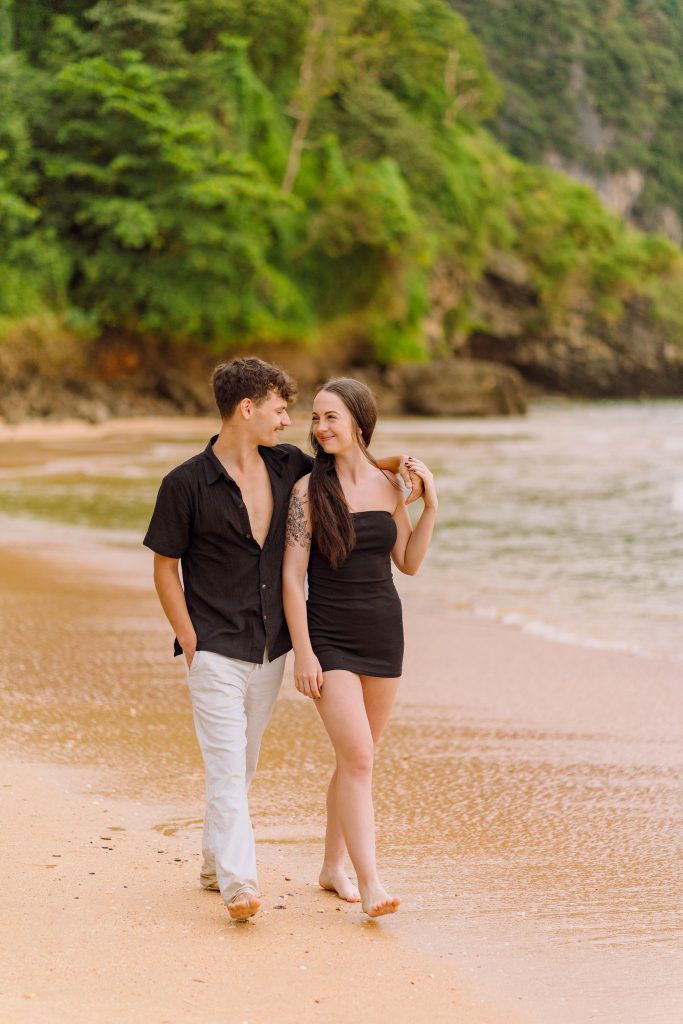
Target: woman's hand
410,479
417,467
308,675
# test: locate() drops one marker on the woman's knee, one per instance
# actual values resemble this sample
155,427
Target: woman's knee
356,761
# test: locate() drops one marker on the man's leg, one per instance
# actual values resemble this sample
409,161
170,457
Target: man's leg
218,688
263,687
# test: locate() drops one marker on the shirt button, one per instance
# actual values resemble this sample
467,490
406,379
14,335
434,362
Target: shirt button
248,536
265,617
263,586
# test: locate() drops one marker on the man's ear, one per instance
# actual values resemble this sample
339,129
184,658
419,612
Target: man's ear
246,408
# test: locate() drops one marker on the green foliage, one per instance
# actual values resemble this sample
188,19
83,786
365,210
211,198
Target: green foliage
32,266
599,83
225,172
370,211
172,231
574,246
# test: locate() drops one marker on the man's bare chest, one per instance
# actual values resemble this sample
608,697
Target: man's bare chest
257,496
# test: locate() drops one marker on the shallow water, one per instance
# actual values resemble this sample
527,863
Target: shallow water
567,523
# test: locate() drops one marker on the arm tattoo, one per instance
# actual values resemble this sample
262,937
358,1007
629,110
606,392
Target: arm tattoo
297,532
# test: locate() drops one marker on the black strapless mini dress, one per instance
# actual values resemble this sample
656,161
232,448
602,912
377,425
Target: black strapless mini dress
354,612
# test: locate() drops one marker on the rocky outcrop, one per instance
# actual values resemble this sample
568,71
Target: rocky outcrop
582,354
458,387
51,374
510,347
622,360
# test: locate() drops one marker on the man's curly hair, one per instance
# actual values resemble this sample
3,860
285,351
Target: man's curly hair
248,378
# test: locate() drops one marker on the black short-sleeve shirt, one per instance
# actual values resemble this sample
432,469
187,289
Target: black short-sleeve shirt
233,587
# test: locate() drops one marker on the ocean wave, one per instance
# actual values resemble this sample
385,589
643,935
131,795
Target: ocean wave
556,634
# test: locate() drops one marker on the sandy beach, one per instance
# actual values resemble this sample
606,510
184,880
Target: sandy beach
102,910
528,811
103,919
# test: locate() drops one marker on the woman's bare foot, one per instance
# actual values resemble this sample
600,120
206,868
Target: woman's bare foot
243,905
335,880
376,900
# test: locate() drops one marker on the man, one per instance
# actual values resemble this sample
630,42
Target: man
223,514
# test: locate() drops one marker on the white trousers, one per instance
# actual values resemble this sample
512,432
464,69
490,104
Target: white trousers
231,704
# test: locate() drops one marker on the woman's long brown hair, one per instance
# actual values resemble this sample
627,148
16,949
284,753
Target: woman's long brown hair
330,517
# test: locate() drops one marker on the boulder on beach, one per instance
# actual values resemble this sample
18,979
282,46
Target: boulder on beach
459,387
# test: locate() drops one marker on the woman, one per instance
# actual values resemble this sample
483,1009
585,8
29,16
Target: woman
346,522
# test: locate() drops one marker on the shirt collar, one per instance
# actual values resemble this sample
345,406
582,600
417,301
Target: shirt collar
274,458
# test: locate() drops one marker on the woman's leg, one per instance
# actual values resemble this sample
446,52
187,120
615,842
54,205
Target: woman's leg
378,697
344,713
333,872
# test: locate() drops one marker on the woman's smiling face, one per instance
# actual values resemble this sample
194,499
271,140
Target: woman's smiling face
332,424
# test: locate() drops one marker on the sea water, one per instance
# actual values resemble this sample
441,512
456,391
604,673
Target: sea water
567,523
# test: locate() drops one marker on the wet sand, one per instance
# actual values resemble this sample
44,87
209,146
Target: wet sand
528,804
103,920
103,916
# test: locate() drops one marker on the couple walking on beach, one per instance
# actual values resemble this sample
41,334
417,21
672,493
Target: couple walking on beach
249,518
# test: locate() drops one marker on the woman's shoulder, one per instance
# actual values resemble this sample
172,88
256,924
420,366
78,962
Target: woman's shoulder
386,488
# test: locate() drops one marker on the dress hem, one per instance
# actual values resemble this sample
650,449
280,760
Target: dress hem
391,674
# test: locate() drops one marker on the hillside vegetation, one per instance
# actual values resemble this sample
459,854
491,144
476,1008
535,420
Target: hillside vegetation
595,86
223,174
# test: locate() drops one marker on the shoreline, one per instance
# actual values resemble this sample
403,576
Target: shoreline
178,424
118,551
107,473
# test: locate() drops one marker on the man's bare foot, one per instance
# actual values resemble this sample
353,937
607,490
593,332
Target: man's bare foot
376,901
335,880
243,905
